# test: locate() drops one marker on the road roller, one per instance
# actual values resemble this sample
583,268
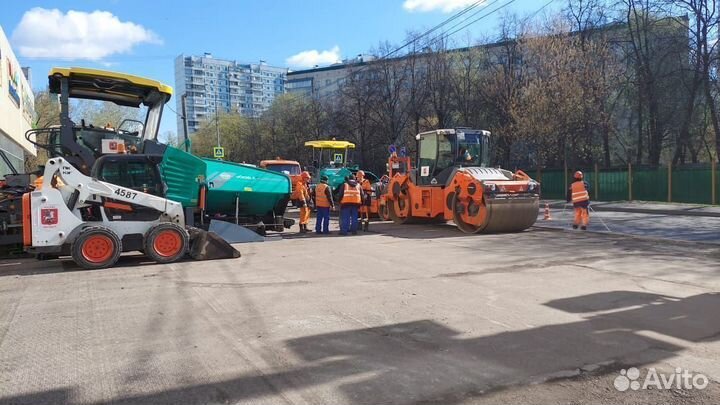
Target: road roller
453,182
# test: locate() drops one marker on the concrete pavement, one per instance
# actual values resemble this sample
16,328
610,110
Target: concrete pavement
405,314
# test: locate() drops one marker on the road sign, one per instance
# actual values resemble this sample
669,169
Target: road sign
338,158
219,152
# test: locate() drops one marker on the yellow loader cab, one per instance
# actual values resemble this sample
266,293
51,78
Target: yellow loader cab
81,143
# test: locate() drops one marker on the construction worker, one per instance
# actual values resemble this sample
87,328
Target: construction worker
367,199
301,199
350,198
323,202
579,195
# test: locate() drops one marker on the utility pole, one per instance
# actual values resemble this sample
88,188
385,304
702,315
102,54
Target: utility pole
183,101
217,122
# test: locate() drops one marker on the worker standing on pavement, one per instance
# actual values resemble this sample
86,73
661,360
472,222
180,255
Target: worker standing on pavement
323,202
350,199
301,198
579,195
367,199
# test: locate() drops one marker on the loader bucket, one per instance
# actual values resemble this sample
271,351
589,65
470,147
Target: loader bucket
232,233
209,246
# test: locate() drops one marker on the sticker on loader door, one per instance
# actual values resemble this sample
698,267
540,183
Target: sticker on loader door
49,217
425,171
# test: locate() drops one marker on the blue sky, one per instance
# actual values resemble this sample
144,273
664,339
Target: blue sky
144,37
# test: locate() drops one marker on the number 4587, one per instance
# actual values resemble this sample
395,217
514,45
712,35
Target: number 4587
126,193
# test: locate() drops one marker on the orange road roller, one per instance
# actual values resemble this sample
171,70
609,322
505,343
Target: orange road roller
452,182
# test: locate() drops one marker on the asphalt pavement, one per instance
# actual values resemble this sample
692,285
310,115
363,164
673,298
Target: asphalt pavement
402,314
681,222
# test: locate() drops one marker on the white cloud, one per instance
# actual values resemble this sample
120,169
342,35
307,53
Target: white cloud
44,33
446,6
306,59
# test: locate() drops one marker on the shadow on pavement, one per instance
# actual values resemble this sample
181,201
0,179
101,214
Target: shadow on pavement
30,266
425,361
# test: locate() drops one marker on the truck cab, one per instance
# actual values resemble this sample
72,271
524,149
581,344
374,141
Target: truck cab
290,167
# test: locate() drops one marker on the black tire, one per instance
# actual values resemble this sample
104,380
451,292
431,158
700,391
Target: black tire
88,249
166,243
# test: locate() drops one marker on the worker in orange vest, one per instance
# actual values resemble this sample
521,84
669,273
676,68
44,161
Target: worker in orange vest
579,195
323,202
301,198
350,198
367,199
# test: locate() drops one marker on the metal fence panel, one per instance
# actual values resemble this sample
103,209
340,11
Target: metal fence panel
613,185
649,184
552,184
690,184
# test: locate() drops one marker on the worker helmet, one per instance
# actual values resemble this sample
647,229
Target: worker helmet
305,175
360,173
578,175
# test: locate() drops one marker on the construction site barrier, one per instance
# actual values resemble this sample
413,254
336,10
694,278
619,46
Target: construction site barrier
698,183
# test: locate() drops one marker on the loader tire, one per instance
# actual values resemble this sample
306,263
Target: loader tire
166,243
96,247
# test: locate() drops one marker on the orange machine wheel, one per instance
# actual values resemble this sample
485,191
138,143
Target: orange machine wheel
166,243
96,247
398,201
469,211
469,216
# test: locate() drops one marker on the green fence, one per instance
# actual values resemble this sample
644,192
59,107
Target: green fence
687,184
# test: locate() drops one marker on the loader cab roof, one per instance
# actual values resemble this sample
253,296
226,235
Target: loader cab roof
333,144
119,88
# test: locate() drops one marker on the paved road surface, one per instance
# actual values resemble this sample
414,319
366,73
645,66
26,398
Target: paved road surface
403,315
670,224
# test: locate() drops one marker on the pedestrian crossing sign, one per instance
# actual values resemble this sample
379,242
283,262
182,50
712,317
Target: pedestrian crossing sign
338,158
219,152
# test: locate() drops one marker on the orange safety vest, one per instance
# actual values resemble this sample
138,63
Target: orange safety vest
300,191
365,184
321,199
579,192
351,195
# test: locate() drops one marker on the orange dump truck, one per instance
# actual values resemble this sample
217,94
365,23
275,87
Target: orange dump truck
290,167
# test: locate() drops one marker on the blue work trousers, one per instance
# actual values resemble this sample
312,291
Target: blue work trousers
322,223
348,219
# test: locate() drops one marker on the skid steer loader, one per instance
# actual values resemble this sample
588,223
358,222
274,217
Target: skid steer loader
106,190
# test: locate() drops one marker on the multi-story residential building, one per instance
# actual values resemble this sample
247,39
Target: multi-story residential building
214,86
17,109
322,81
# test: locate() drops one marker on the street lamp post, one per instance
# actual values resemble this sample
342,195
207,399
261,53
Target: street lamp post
217,122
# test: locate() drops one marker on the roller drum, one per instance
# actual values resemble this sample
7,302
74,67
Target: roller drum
511,215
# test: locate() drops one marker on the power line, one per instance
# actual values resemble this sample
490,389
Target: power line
440,25
480,18
530,17
437,38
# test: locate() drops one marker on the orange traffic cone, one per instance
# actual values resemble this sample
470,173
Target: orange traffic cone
547,212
